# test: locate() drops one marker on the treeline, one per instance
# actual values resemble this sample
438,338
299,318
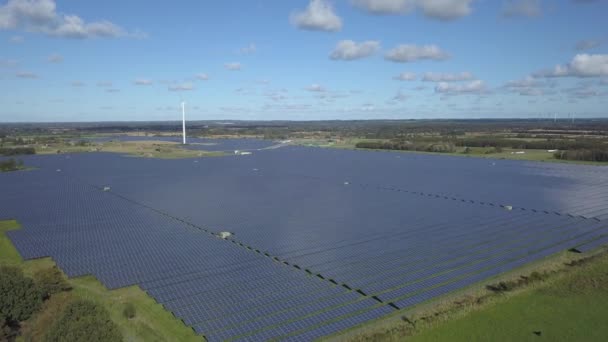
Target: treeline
32,300
561,144
11,165
15,151
441,147
583,155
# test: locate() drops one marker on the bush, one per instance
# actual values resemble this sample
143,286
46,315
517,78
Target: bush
19,295
51,281
129,311
11,165
84,320
14,151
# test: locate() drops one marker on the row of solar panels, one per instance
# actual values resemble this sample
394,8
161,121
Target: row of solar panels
399,245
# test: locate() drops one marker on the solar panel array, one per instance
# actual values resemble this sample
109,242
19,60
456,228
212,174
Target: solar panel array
324,239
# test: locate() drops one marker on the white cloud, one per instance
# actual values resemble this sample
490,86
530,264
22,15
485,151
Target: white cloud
105,84
440,77
143,81
318,16
234,66
77,84
472,87
55,58
202,77
249,49
445,9
521,8
41,16
405,76
349,50
408,53
316,88
435,9
587,44
16,39
26,74
8,63
181,87
112,90
399,97
582,65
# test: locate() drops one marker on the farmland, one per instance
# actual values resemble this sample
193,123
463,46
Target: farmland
323,240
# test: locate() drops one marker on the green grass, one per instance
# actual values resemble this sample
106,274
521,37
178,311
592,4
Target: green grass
478,152
573,308
151,323
569,304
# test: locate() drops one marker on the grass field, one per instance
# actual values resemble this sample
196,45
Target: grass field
572,308
478,152
570,304
145,149
151,323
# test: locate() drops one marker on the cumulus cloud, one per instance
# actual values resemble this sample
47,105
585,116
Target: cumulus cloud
112,90
181,87
8,63
447,77
234,66
16,39
318,16
582,65
42,16
529,86
348,50
409,53
248,50
405,76
435,9
202,77
104,84
316,88
477,86
26,74
399,97
521,8
143,82
77,84
587,44
55,58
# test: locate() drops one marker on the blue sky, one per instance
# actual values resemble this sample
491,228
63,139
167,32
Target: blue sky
302,60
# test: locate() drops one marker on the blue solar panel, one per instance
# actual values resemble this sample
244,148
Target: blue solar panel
404,227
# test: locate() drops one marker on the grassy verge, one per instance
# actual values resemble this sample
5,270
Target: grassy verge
478,152
145,149
151,322
567,300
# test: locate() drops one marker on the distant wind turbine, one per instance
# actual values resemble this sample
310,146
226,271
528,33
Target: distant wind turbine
184,121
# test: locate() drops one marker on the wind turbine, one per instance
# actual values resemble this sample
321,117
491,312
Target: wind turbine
184,121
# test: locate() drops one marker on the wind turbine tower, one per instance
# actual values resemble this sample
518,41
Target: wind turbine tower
184,121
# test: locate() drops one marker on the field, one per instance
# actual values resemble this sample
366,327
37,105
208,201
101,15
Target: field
572,307
152,322
358,236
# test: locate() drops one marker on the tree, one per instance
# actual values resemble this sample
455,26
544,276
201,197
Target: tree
83,320
19,295
51,281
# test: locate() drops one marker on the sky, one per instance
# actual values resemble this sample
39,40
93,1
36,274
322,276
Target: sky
302,59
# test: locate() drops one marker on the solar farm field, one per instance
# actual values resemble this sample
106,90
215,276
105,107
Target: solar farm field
323,240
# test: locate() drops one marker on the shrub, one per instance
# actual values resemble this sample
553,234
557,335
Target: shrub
11,165
129,311
51,281
84,320
13,151
19,295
